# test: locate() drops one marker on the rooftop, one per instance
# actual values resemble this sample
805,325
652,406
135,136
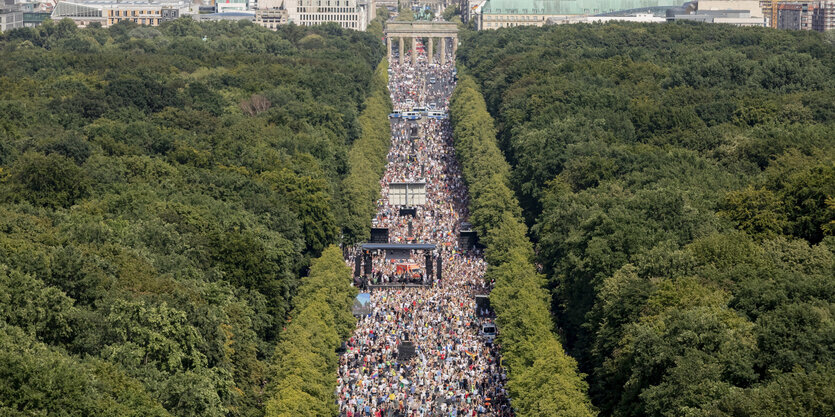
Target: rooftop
569,7
401,246
123,2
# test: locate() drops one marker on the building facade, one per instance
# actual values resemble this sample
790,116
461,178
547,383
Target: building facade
788,16
823,17
32,19
494,14
349,14
10,19
271,18
150,16
752,6
223,6
149,13
637,18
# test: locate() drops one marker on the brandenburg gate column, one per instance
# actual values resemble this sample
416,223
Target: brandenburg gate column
443,51
454,45
431,51
388,47
414,51
400,52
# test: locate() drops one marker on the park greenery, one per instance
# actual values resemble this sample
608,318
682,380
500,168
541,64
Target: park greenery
679,185
305,360
164,196
543,379
367,159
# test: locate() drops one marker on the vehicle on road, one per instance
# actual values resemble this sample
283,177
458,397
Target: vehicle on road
488,331
433,105
432,80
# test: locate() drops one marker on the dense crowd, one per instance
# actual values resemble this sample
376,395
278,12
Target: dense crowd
455,372
412,85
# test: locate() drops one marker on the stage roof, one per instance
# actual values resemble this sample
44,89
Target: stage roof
400,246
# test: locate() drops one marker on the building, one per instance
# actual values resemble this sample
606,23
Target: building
222,6
823,17
83,13
788,16
733,12
470,9
389,4
812,15
32,19
225,16
638,17
807,9
350,14
496,14
271,18
110,12
752,6
10,18
728,17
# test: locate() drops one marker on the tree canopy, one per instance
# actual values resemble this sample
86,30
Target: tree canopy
678,183
542,379
162,192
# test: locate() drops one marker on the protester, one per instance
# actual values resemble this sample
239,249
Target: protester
455,372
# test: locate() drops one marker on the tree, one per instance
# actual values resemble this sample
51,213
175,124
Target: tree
47,180
304,373
756,212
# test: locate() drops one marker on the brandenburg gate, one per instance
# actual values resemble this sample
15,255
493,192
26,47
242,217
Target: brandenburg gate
421,29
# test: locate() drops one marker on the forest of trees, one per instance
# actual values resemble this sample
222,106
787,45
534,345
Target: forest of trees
542,379
679,185
164,194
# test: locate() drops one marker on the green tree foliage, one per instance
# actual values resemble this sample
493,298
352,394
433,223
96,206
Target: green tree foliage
304,370
367,160
162,191
375,27
543,379
405,15
799,393
51,180
450,12
677,181
38,379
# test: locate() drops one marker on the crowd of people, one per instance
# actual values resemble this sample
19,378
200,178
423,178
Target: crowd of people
453,371
414,87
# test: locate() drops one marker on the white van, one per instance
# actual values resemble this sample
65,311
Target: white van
488,331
